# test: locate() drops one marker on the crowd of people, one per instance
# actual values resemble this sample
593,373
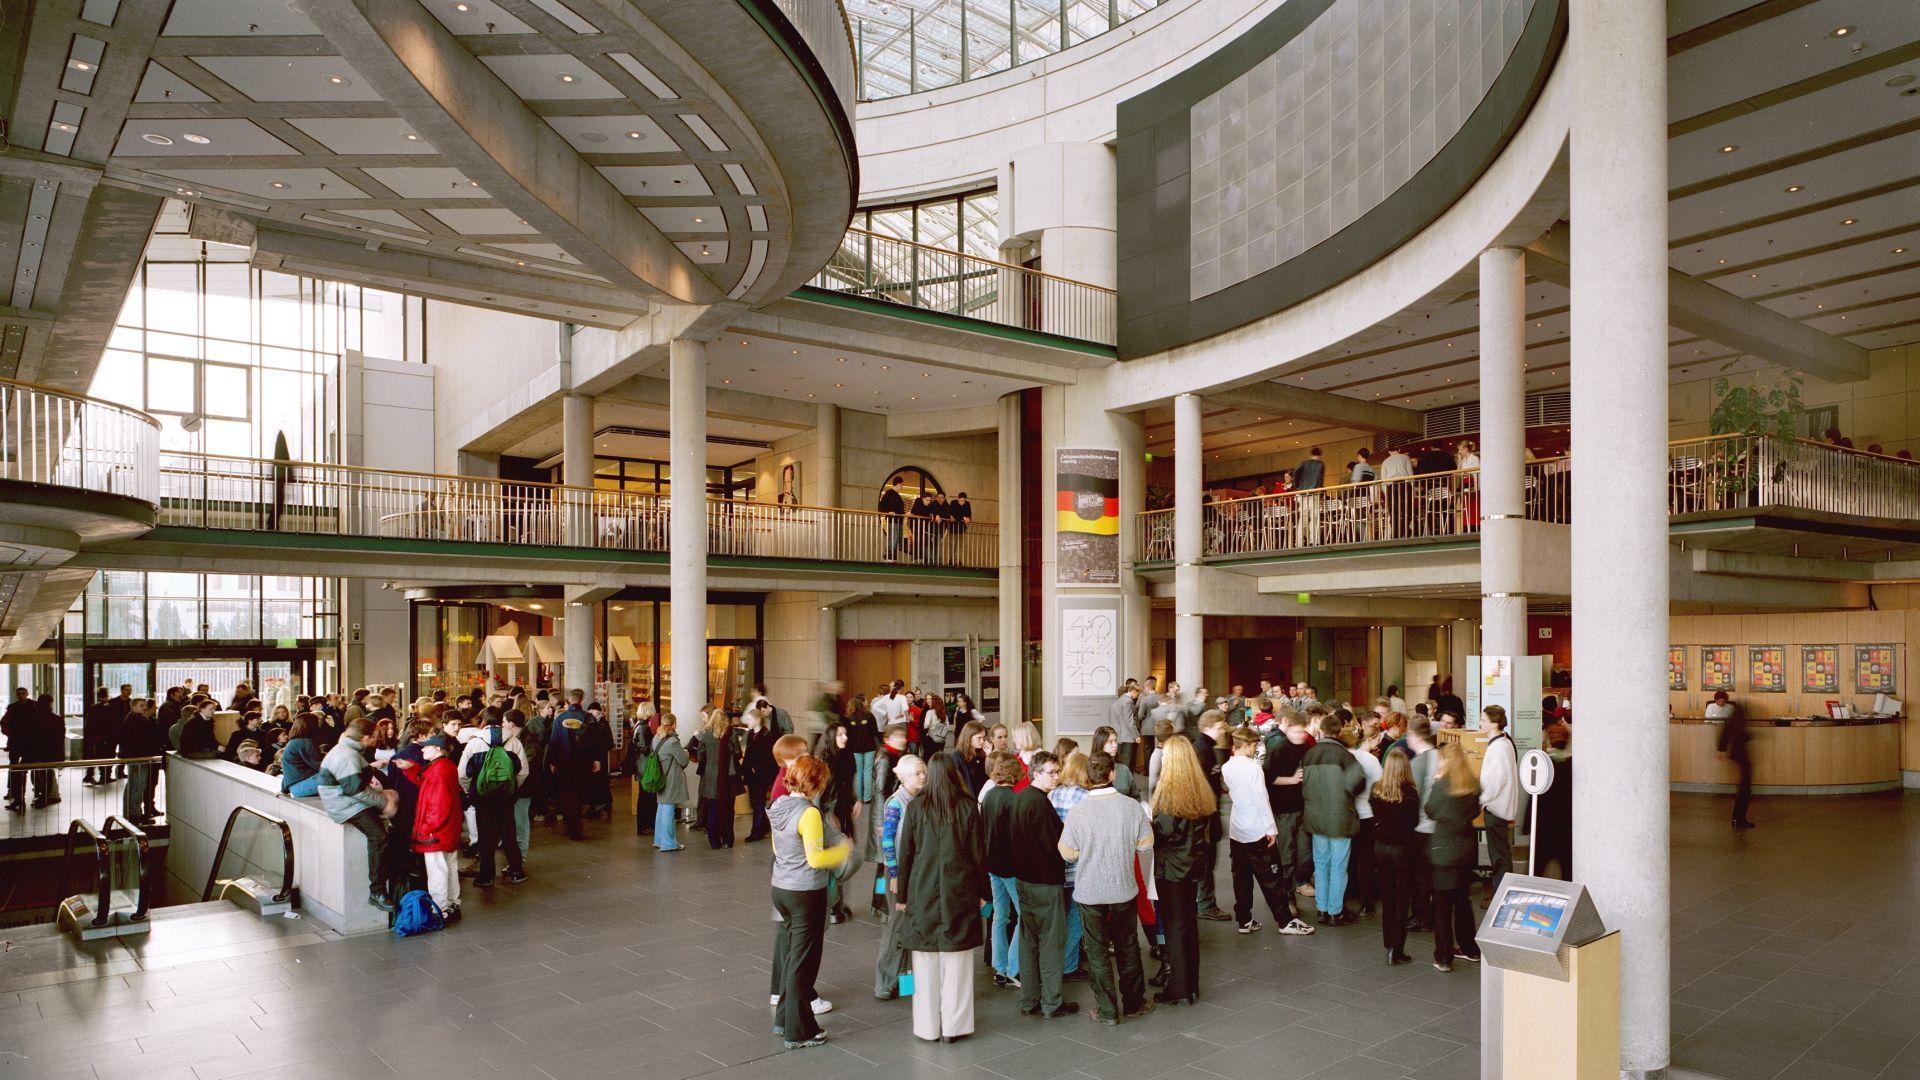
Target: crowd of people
919,527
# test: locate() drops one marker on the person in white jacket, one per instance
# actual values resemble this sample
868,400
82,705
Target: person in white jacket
1499,793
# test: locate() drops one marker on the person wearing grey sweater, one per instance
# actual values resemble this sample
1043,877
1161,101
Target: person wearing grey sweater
350,799
1102,836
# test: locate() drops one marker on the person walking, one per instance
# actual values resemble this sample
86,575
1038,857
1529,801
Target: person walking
1452,803
804,857
1733,745
1331,780
1040,878
912,775
942,882
673,768
1207,730
1102,836
1499,794
1395,802
1183,809
1252,837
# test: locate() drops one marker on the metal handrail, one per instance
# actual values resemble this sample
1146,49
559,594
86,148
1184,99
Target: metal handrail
855,230
58,438
116,823
102,872
86,398
79,763
1744,472
286,851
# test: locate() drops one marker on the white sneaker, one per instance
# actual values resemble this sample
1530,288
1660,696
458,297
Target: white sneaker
774,1000
821,1006
1296,928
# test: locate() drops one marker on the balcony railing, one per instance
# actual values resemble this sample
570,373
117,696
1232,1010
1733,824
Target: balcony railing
824,26
259,495
1426,507
903,272
1738,472
69,440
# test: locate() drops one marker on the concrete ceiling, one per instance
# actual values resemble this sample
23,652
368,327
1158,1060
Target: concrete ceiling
1814,213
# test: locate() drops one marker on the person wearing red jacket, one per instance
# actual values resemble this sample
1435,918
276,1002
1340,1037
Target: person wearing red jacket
437,818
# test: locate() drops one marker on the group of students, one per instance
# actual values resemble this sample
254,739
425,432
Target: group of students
921,526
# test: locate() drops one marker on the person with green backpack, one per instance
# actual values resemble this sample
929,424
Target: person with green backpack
492,770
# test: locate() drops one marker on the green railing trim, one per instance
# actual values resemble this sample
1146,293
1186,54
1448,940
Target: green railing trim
1347,551
815,294
193,534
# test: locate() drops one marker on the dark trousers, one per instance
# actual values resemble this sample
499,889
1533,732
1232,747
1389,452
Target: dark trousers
1043,945
805,923
1209,860
1499,850
1119,986
892,959
1362,887
569,786
1142,756
371,826
644,809
757,798
1398,867
719,819
1741,796
143,782
1453,925
1254,862
1422,903
494,815
1294,849
1180,917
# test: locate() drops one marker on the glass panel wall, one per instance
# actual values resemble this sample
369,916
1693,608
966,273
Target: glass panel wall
906,46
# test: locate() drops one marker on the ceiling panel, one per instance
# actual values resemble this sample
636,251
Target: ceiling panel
1829,177
551,77
686,219
1814,269
428,183
1797,44
1821,118
198,138
290,78
475,18
237,18
1800,233
492,222
159,84
393,218
632,134
359,136
656,181
301,184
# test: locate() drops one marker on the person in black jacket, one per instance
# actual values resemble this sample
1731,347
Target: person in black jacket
1453,802
1206,733
100,729
1184,809
893,505
141,736
757,766
996,814
1040,879
196,732
941,884
1396,816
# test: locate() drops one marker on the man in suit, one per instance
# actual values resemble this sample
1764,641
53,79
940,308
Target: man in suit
1308,477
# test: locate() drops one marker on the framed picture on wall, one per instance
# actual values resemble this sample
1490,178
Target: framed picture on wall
1820,669
1767,669
1873,670
1676,667
1716,667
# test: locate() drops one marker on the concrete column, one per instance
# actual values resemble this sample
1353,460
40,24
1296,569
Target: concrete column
827,648
1013,578
826,465
1217,685
577,639
1189,638
1462,642
1057,201
1503,442
1618,192
687,514
576,464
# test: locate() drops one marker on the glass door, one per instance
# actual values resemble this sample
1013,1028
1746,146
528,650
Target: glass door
219,675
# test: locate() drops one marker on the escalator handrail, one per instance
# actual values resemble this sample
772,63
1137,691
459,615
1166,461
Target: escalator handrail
103,868
117,825
286,849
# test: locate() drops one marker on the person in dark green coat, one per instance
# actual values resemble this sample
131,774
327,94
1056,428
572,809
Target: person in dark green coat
942,884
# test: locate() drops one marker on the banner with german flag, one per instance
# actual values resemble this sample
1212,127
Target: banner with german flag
1087,511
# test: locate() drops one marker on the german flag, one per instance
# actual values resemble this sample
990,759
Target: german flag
1088,505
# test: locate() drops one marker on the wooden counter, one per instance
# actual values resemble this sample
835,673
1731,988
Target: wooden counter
1809,758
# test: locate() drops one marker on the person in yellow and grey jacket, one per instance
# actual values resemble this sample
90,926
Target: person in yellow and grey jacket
805,854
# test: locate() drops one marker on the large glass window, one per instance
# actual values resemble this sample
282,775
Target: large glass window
908,256
906,46
122,607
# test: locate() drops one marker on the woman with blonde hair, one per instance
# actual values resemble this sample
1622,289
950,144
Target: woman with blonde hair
719,756
1452,803
1072,788
1395,801
1026,741
1182,809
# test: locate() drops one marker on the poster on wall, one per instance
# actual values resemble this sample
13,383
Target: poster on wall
1820,669
1087,514
1676,667
1767,669
1089,671
1873,670
1716,667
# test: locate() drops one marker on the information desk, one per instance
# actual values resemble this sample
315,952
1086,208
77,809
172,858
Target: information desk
1791,755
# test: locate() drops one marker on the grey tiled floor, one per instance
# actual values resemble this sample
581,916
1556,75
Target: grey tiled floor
1793,959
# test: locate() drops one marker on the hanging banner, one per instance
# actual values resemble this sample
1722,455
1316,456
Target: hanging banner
1089,672
1087,513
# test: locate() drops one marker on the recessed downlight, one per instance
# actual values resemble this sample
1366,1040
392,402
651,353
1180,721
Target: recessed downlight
339,80
1848,221
1899,251
197,140
1793,189
567,77
157,139
699,221
1729,148
410,136
635,135
1840,31
279,184
1900,80
79,65
463,8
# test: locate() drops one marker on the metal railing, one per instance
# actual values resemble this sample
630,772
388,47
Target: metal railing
260,495
824,26
101,841
52,793
285,833
53,437
887,268
1424,507
1735,472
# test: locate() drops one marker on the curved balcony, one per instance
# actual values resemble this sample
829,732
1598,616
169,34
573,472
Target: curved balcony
74,468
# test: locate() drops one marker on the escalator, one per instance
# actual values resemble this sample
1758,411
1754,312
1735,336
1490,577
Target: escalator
252,868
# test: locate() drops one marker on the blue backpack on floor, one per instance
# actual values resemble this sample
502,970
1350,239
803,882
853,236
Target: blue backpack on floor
418,914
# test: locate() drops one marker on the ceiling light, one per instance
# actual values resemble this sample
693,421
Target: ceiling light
197,140
704,251
843,359
1792,188
338,80
79,65
566,77
157,140
280,184
699,221
410,137
1729,148
1723,262
463,8
837,386
729,382
1847,221
1840,31
1899,251
633,135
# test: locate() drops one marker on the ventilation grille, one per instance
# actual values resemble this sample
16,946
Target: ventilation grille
1454,421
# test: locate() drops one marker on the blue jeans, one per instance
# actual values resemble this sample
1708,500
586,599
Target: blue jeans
306,789
1330,854
1073,935
664,836
523,822
863,775
1006,905
894,523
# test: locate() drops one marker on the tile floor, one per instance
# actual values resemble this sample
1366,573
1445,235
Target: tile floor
1793,959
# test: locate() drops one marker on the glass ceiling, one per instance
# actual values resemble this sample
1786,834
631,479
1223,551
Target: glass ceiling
906,46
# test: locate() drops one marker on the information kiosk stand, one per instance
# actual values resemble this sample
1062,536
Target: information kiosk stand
1561,972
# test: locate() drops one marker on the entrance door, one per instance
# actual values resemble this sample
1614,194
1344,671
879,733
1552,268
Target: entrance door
221,676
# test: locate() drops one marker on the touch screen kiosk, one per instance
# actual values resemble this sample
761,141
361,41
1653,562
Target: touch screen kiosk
1560,968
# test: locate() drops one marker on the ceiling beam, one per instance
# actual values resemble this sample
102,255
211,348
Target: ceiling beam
1298,402
1720,316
